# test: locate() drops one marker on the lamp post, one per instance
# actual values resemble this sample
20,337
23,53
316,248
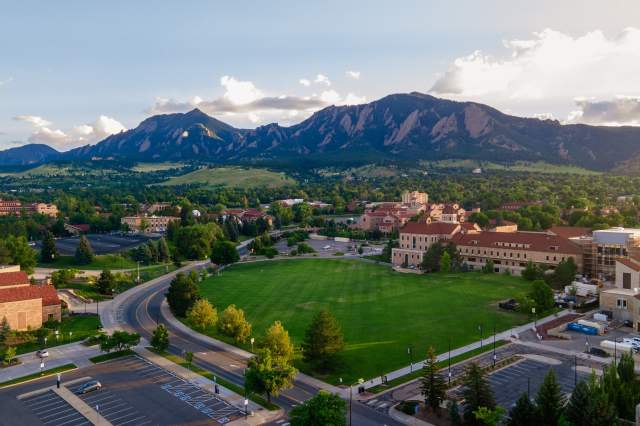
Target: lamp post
252,341
449,368
410,359
494,344
359,382
480,330
535,319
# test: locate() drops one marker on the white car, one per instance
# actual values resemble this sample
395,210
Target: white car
43,353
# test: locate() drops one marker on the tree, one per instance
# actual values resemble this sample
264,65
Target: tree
84,252
48,252
523,413
388,248
323,409
432,385
531,272
564,274
489,416
62,277
454,413
445,262
20,252
488,267
230,229
160,338
431,258
234,324
182,294
164,255
106,282
188,357
542,296
476,392
264,375
302,212
479,218
277,340
224,253
5,329
194,242
549,400
323,340
202,314
9,355
119,340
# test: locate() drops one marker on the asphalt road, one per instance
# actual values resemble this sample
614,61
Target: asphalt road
142,312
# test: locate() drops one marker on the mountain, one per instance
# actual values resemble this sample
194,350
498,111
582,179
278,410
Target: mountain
27,154
401,127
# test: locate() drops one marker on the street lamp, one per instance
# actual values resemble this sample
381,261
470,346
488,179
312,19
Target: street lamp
480,330
410,359
449,362
252,341
535,319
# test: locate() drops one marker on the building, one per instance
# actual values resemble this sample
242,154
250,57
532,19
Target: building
245,215
26,306
416,238
517,205
15,207
512,250
150,223
502,226
621,299
603,247
415,197
77,229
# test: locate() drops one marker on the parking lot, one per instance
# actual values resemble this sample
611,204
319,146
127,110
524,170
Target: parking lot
329,247
51,409
134,392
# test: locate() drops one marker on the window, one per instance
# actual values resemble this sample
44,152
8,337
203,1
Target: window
621,303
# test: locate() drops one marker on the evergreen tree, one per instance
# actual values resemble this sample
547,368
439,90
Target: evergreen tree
106,282
454,414
182,294
48,253
523,413
549,400
445,262
477,393
431,258
323,340
531,272
488,267
164,254
160,338
84,252
224,253
432,385
230,229
577,411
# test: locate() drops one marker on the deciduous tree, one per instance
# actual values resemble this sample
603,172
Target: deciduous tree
264,375
277,340
323,409
202,314
233,324
160,338
183,293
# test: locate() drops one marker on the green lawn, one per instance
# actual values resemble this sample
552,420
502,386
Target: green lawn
235,177
80,326
382,312
38,375
105,261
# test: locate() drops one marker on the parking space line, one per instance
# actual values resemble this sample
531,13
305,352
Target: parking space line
82,420
133,420
73,413
57,413
122,417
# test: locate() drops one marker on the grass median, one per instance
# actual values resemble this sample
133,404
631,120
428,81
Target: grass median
38,375
111,355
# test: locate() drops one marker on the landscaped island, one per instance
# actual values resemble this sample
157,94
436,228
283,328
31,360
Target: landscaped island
381,312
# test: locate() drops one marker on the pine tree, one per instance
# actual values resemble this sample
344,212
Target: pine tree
549,400
48,253
106,282
477,393
577,410
182,294
454,414
523,413
445,262
323,340
164,254
84,252
432,385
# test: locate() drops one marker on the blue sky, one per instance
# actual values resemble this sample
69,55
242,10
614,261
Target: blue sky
71,72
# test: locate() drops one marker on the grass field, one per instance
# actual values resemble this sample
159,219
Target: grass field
156,167
518,166
80,327
382,312
105,261
235,177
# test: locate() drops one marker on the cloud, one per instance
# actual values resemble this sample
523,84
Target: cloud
623,110
353,74
322,79
6,81
243,103
78,135
304,82
550,67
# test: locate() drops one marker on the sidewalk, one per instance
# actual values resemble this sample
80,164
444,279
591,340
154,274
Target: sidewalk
75,353
505,335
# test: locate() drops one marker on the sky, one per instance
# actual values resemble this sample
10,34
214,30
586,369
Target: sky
73,72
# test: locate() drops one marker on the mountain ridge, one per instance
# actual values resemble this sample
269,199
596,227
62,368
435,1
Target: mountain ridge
403,127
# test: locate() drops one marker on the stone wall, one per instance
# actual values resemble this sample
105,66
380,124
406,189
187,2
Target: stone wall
23,314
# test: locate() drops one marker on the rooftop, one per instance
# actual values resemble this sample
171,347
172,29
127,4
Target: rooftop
433,228
9,279
534,241
45,292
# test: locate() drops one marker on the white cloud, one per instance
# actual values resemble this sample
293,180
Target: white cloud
322,79
239,92
353,74
622,110
550,67
244,104
305,82
6,81
78,135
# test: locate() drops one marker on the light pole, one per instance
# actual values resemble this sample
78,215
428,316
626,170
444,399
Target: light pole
252,341
410,359
494,345
480,330
535,319
138,279
575,370
449,373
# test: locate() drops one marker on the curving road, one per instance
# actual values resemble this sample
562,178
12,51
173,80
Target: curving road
140,310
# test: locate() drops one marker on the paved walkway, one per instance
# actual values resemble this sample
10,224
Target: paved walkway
505,335
75,353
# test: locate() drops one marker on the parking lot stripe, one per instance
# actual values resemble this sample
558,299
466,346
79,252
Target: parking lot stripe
70,413
135,419
57,413
71,422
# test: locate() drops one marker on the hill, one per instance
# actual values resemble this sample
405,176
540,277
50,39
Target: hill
27,154
235,177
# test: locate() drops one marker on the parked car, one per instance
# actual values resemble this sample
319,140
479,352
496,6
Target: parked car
90,386
42,353
598,352
509,305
